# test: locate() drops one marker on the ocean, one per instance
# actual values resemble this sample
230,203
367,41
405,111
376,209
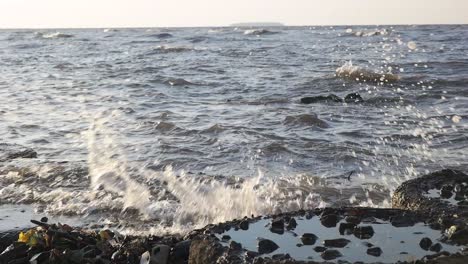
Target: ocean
168,129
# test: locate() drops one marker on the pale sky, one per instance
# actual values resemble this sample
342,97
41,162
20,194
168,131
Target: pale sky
169,13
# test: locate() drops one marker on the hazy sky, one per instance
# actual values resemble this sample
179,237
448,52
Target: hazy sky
146,13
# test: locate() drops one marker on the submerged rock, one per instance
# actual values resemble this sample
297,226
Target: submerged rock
331,98
353,98
15,151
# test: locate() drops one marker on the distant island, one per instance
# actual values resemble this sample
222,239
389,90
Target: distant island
258,24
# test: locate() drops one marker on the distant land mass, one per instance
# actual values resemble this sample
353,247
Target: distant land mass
258,24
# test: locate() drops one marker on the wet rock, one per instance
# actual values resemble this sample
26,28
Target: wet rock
363,232
425,243
374,251
329,220
330,254
308,239
319,249
402,221
331,98
15,151
235,246
160,254
291,223
353,98
244,225
44,219
412,194
181,251
457,235
367,244
446,191
280,257
338,243
266,246
353,219
277,223
346,228
225,238
205,250
437,247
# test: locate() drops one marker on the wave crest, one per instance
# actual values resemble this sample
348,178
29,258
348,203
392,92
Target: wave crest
350,71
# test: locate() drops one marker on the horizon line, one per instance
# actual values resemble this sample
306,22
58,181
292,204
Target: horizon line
234,26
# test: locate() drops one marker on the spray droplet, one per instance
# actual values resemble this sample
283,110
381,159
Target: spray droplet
412,45
456,119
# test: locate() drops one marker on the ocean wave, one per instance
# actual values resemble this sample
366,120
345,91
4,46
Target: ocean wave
178,82
350,71
170,49
56,35
258,32
161,35
306,120
377,32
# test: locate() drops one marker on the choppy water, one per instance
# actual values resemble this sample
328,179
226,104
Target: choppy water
198,125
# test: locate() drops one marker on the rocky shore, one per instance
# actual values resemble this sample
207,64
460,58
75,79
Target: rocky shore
428,222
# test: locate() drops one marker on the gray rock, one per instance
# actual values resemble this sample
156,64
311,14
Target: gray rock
329,220
331,98
353,98
203,251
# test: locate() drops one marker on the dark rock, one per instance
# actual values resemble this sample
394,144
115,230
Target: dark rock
331,98
181,250
235,246
446,191
402,221
346,228
329,220
160,254
309,215
280,257
425,243
353,98
244,225
374,251
204,251
291,223
338,243
330,254
266,246
363,232
437,247
353,219
226,238
44,219
308,239
319,249
277,223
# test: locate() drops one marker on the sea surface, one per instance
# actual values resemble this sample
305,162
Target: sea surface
167,129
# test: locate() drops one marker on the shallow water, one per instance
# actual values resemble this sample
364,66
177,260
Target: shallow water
396,243
135,107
